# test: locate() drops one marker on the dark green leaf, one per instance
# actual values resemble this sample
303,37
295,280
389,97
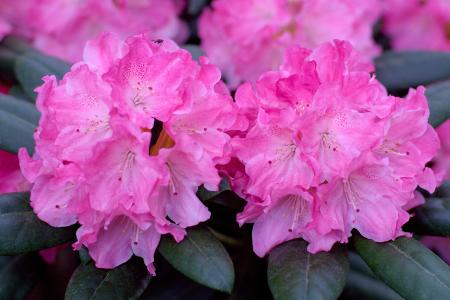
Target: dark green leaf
84,255
20,108
201,257
402,70
206,195
56,66
195,51
443,191
7,59
16,44
15,133
294,273
362,286
19,275
14,202
175,286
407,266
195,6
127,281
17,91
31,67
433,218
438,95
4,260
362,283
21,231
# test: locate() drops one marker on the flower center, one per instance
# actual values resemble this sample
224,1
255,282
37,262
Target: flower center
160,139
290,28
391,148
328,141
285,151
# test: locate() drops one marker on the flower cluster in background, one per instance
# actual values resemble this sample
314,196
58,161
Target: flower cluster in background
417,24
246,38
61,28
123,143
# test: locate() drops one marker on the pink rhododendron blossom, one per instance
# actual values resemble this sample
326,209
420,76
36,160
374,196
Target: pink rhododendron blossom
124,141
417,24
11,179
61,28
246,38
328,151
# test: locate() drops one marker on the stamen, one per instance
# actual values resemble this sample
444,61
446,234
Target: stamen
299,206
351,195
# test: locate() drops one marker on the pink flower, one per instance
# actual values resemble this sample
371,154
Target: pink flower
429,19
246,38
11,179
61,28
441,166
5,28
124,142
328,151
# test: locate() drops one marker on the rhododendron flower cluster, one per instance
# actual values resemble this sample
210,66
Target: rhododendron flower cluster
246,38
417,24
124,141
61,28
328,151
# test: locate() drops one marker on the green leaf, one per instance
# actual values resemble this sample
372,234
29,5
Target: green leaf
201,257
14,202
402,70
294,273
195,51
17,92
362,283
15,133
433,218
438,95
17,44
56,66
205,195
407,266
173,285
196,6
20,108
31,67
21,231
19,275
7,59
443,191
362,286
83,253
127,281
